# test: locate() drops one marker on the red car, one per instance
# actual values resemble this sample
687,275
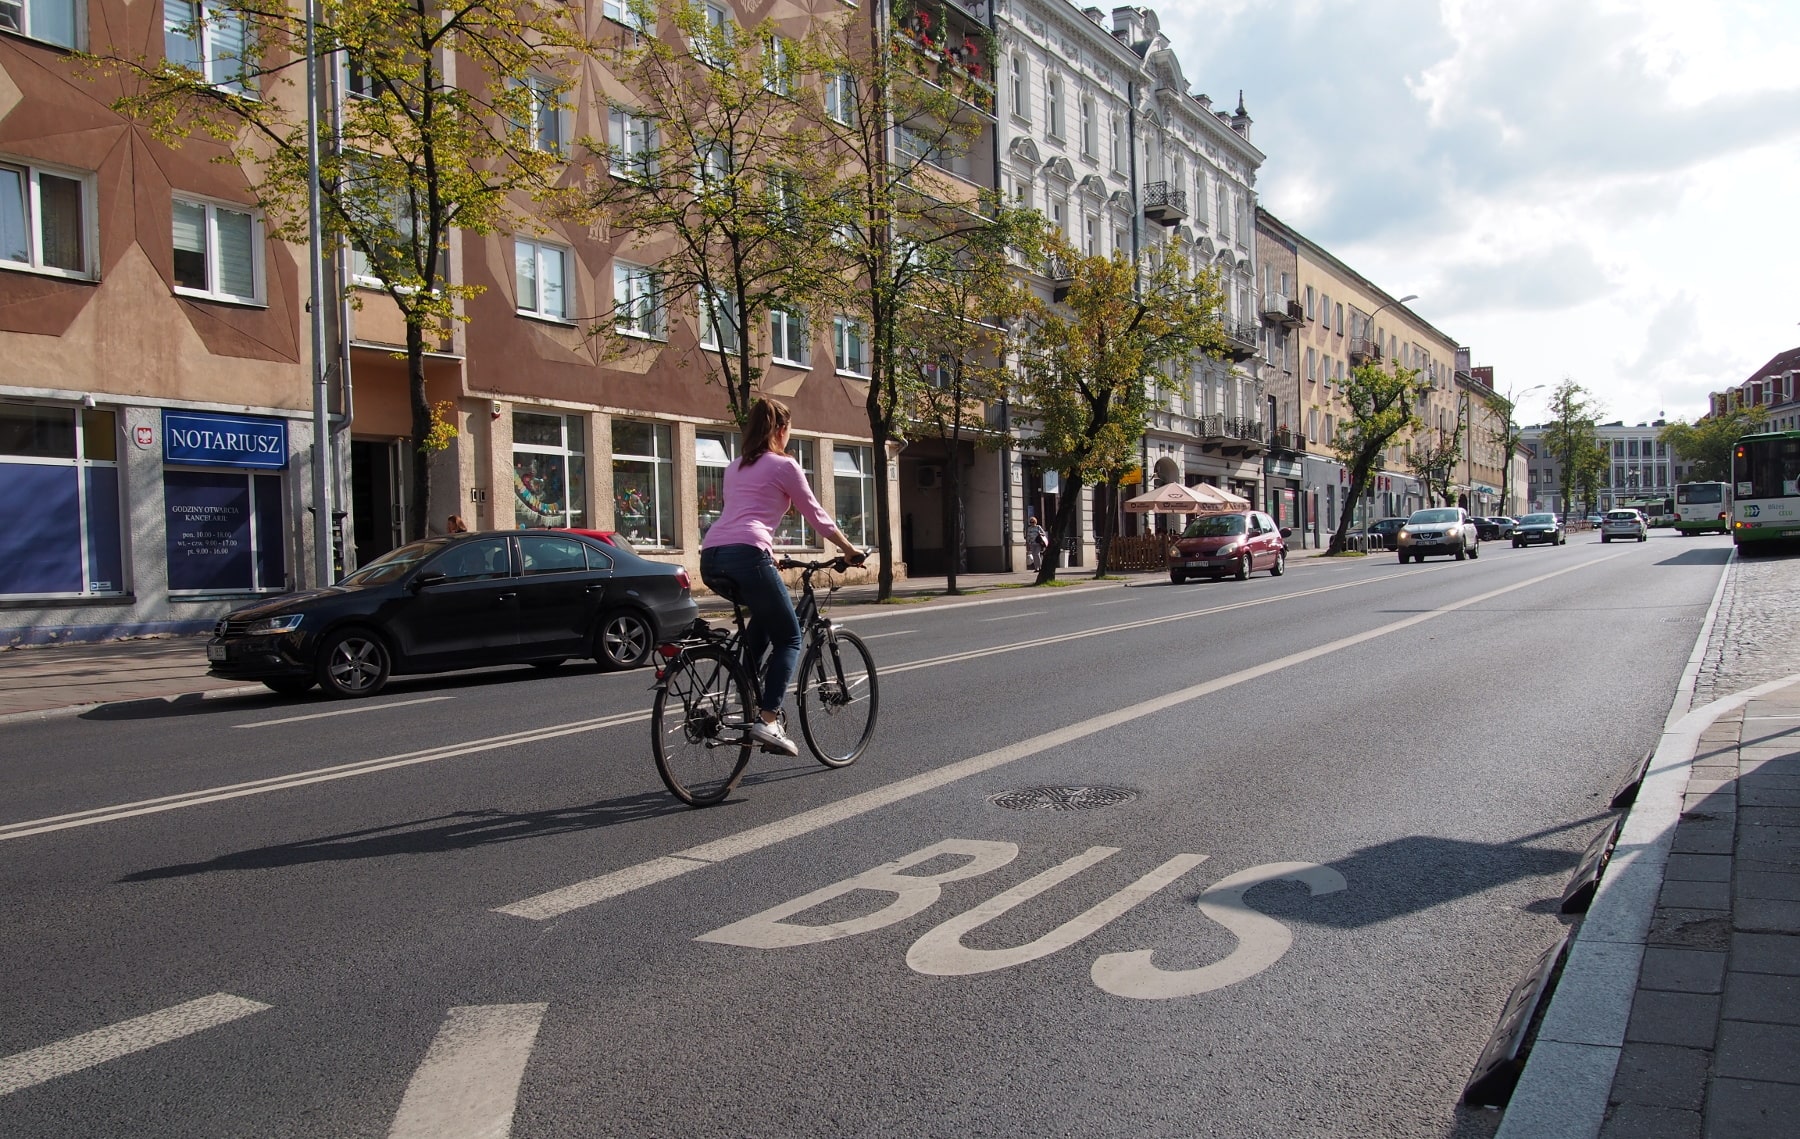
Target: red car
1236,543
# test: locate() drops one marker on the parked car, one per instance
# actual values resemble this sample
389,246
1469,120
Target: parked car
1624,523
610,537
533,597
1494,528
1387,532
1595,519
1535,528
1238,542
1439,530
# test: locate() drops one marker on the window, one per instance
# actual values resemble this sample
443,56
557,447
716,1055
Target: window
794,530
1325,309
1221,211
1090,235
1340,318
778,65
713,452
390,235
851,346
541,271
547,127
787,338
919,145
786,199
634,14
637,300
1090,144
1311,304
43,220
218,252
358,83
59,501
713,169
53,21
634,141
1059,216
853,477
643,493
1121,145
203,36
553,553
224,531
715,34
840,97
549,470
1053,97
718,322
1019,76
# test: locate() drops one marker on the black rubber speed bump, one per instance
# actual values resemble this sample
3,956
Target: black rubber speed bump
1579,893
1497,1072
1626,795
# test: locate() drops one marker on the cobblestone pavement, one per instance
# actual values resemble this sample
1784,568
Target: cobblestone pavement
1756,636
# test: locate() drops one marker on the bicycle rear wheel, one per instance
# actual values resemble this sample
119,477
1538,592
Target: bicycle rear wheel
838,697
698,726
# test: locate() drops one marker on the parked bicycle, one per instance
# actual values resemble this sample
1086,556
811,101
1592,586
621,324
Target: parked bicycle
699,725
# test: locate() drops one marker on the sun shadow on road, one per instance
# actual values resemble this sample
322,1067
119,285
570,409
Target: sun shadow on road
1708,557
1419,873
463,830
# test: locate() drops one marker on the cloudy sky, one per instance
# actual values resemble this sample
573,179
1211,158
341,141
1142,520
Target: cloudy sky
1604,190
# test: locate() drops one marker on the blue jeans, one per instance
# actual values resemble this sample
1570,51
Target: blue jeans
748,575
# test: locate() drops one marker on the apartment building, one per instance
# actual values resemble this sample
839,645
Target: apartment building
1099,130
1642,466
1774,387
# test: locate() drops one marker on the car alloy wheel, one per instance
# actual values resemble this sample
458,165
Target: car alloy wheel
353,662
1243,569
624,639
1280,566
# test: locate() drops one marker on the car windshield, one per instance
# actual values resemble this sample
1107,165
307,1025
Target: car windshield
1218,526
1538,520
1430,517
395,564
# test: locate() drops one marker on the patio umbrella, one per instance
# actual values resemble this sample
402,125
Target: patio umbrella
1173,498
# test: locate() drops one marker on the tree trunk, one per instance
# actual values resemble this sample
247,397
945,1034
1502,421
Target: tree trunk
1068,510
884,544
419,523
1359,482
949,500
1103,529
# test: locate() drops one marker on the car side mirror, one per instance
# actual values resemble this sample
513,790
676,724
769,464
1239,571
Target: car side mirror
430,577
1286,531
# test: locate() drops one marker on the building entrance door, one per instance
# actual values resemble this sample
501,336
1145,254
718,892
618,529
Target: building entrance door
377,507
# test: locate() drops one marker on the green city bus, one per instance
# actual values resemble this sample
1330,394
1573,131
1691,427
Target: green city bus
1703,507
1765,476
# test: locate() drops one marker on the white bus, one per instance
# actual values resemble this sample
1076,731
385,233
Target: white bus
1703,507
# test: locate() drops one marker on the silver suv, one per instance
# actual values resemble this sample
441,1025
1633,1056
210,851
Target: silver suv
1439,530
1624,523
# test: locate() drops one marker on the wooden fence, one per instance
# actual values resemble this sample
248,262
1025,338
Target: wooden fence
1142,553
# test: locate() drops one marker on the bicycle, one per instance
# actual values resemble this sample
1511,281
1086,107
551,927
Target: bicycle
699,724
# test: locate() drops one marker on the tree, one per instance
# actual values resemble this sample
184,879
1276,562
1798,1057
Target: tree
717,169
895,133
1572,439
1506,438
958,337
1706,446
420,147
1381,409
1092,364
1435,464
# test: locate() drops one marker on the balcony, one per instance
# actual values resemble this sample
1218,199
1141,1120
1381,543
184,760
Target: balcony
1241,338
1287,439
1365,351
1232,436
1279,309
1164,205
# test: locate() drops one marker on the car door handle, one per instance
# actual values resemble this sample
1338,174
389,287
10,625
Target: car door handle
505,597
595,589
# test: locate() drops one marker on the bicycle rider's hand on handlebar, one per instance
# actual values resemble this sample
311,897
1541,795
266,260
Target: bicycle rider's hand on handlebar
856,559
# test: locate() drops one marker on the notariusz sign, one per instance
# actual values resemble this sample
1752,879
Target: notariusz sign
224,440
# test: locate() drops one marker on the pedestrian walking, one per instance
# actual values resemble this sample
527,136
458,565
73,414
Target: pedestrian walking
1037,540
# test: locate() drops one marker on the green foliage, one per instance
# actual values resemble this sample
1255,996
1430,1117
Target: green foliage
1434,463
1506,438
1706,445
1573,439
1382,408
1093,363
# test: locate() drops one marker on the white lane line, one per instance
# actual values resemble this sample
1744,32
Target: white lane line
468,1084
557,902
28,1069
895,633
1120,601
345,712
1012,616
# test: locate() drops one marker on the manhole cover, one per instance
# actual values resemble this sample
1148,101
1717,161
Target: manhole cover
1061,798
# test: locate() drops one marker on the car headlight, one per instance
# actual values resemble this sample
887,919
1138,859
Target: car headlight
1404,533
284,624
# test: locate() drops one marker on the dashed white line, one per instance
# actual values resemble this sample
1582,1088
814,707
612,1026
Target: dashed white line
468,1084
895,633
1012,616
28,1069
344,712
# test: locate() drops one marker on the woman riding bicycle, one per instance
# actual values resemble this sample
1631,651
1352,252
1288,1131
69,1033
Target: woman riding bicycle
737,558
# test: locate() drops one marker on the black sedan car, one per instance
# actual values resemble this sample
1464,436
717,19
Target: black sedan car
1534,528
1387,532
1495,528
459,601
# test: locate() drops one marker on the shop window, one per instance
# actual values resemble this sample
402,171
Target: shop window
713,452
206,36
218,252
643,486
794,530
225,532
853,477
44,220
549,470
59,502
540,273
53,21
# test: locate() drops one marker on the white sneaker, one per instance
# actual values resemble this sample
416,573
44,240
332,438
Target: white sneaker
773,738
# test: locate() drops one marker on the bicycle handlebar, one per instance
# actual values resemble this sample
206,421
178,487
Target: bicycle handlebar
838,564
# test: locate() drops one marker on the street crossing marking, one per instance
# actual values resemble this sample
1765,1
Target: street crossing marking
565,899
344,712
468,1084
39,1065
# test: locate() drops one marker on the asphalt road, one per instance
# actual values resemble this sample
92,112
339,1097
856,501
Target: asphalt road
1351,798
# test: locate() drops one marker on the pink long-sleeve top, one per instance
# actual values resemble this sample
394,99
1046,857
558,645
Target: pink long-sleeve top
756,498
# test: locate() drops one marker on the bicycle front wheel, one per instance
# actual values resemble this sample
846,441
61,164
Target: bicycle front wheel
698,726
838,697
